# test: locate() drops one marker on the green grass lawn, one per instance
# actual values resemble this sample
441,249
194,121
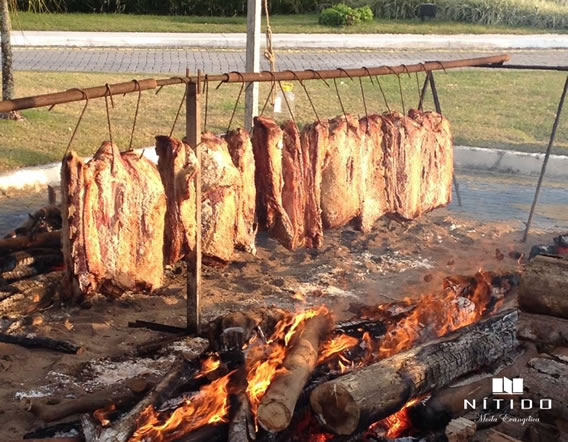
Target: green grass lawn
280,24
487,108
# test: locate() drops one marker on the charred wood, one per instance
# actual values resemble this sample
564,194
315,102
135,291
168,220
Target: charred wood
231,331
31,341
52,430
119,395
448,403
545,379
121,430
544,285
241,428
378,390
277,406
545,331
209,433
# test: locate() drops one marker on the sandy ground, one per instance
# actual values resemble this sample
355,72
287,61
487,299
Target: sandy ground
390,263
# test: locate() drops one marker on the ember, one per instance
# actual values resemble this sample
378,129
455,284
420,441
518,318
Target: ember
396,425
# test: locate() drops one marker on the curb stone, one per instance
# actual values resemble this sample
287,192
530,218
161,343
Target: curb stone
465,158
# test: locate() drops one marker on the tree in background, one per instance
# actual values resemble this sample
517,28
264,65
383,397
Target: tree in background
7,67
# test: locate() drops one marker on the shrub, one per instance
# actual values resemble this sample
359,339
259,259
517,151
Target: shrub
343,15
552,14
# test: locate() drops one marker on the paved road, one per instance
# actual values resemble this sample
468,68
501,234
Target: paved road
152,60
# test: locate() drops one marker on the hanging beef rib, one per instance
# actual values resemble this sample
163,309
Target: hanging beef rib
113,210
240,148
177,165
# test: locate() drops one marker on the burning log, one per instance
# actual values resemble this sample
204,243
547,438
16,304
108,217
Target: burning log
121,431
543,287
544,331
242,428
378,390
231,331
448,403
31,341
277,406
117,395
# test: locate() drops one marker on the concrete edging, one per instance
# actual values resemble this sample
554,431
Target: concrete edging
466,158
289,41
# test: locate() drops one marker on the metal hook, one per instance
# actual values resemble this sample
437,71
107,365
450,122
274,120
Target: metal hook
288,105
307,93
136,82
369,74
345,72
186,81
317,74
206,87
238,99
364,103
107,94
86,98
382,93
227,78
399,87
269,93
406,69
341,103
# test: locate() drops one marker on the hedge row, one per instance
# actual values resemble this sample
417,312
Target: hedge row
225,8
552,14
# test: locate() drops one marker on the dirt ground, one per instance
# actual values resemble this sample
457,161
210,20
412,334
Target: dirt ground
392,262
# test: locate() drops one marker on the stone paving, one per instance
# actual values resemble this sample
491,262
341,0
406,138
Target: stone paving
157,60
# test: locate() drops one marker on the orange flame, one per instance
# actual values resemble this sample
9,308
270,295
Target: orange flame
208,365
264,360
336,345
437,314
398,423
102,413
209,406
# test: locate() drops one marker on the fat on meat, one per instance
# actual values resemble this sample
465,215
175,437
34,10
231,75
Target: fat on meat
240,148
341,173
268,142
177,165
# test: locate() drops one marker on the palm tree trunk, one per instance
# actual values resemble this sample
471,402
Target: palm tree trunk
7,72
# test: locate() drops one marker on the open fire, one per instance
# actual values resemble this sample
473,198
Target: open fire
463,300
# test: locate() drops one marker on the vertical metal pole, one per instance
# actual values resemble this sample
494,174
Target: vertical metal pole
546,156
193,137
439,110
254,9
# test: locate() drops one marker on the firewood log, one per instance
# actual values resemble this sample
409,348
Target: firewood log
378,390
546,332
45,240
121,430
546,379
31,341
118,395
241,428
544,286
277,406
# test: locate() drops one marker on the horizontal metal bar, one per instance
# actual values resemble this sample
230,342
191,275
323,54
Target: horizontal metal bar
527,67
76,94
237,77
